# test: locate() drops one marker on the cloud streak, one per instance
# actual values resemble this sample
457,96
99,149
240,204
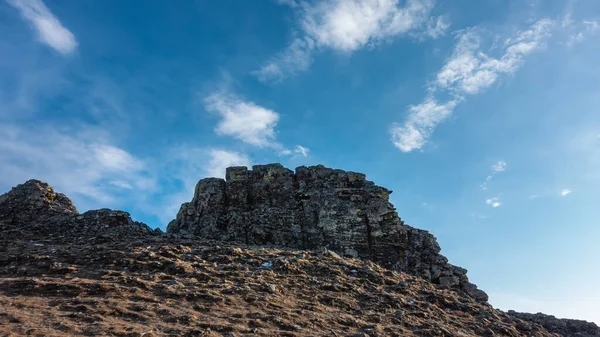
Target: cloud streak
468,71
49,29
499,167
420,123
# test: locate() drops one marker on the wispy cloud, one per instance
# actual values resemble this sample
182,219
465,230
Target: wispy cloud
422,120
115,159
80,163
346,26
299,150
578,30
468,71
565,192
436,27
584,30
302,150
296,58
243,120
500,166
49,29
494,202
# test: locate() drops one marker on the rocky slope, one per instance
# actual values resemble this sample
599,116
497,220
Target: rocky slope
101,274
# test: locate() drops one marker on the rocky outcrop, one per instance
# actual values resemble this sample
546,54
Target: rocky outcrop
34,208
561,326
49,251
311,208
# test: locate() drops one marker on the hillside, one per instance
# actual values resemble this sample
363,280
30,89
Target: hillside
102,274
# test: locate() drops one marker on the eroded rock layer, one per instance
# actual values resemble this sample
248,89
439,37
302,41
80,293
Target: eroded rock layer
315,207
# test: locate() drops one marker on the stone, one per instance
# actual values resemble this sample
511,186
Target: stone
449,281
312,208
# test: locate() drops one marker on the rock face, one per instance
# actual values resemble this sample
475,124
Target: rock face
311,208
35,208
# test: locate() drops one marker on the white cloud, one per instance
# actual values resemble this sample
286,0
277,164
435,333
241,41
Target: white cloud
115,159
302,150
298,150
565,192
500,166
346,26
494,202
243,120
121,184
467,72
50,30
421,121
76,163
470,71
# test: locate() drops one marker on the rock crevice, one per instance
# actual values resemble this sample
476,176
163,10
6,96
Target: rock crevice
311,208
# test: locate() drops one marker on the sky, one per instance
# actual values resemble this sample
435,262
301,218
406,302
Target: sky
481,116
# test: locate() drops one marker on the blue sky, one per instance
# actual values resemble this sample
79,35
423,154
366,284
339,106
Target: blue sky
481,116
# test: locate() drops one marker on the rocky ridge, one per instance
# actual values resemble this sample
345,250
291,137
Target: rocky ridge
101,273
34,208
560,326
316,207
